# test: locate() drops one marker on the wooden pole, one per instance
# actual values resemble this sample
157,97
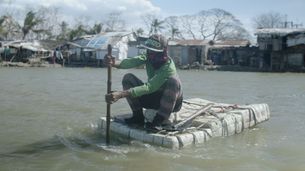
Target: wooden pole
193,116
109,55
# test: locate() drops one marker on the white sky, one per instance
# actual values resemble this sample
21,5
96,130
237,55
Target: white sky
132,10
244,10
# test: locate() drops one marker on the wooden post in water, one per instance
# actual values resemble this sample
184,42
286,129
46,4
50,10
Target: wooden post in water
109,55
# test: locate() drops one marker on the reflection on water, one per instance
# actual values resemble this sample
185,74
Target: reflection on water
36,148
48,120
93,142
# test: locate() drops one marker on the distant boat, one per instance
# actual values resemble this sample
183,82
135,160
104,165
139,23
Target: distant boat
198,121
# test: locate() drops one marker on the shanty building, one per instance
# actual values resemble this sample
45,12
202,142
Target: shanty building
90,50
24,51
296,50
232,52
188,52
283,48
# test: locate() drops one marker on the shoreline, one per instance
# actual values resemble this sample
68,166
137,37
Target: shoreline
233,68
21,64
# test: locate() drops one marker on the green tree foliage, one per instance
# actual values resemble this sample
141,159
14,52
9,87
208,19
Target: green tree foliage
74,33
9,28
29,24
175,32
1,26
139,32
156,26
96,29
64,31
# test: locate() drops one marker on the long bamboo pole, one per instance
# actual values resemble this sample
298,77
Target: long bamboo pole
109,55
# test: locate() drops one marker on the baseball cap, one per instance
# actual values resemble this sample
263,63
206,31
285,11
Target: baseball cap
155,42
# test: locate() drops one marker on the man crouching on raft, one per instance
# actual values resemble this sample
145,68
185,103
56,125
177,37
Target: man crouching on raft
161,92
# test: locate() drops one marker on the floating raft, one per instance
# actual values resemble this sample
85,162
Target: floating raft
217,120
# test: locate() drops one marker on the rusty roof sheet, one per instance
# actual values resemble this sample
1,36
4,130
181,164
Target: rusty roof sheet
278,31
232,43
32,46
188,42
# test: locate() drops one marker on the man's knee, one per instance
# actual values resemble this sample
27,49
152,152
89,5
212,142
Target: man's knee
127,78
130,80
173,82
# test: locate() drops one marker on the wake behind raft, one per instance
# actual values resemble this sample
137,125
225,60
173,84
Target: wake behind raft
198,121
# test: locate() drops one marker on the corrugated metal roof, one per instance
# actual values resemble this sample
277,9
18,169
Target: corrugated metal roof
100,41
278,31
226,43
296,40
188,42
32,46
231,43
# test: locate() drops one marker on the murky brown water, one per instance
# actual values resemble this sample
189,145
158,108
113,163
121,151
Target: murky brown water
48,118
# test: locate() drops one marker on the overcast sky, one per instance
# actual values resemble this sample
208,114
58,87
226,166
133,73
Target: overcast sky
132,10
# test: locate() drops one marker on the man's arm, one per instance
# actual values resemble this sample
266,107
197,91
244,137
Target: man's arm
115,96
126,63
116,64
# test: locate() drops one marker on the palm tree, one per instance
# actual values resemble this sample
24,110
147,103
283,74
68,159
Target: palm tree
96,29
79,31
2,20
139,32
1,30
63,31
156,26
30,21
175,32
8,27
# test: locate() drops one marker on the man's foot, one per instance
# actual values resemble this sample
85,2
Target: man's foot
135,120
152,128
156,124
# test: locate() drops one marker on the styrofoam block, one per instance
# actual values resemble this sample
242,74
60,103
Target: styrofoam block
248,117
229,125
158,139
262,111
238,123
208,134
121,129
149,138
102,123
216,127
199,137
170,142
185,139
136,134
166,141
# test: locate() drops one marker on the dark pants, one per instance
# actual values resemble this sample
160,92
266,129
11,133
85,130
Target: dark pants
166,100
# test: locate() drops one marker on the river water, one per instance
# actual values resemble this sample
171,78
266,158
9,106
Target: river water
49,117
